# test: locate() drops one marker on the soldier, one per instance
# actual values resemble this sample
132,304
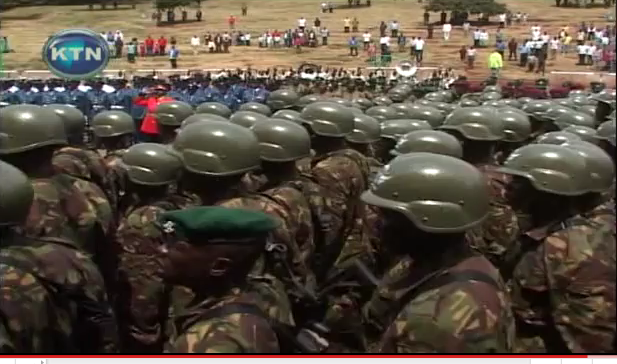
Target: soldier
605,105
517,129
366,132
345,173
480,129
79,162
170,116
211,250
216,156
556,137
114,132
439,281
215,108
563,260
150,169
282,99
53,296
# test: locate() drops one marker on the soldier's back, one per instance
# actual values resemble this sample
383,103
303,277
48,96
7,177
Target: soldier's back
467,311
227,325
68,292
565,289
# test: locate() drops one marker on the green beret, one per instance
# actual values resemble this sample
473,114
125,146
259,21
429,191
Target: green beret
215,224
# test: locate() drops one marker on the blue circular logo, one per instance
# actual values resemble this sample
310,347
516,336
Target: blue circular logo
76,53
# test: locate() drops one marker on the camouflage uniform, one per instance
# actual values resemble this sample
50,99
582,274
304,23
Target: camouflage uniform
232,321
447,299
53,296
563,285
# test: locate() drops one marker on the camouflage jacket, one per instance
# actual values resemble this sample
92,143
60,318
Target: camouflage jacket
563,288
53,300
197,330
87,165
501,228
63,210
458,316
142,302
117,174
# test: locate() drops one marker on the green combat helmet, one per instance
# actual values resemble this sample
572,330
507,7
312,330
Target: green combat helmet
574,93
382,112
247,118
366,130
587,109
340,101
574,118
287,114
556,111
606,132
173,113
197,118
512,103
215,108
517,127
394,129
398,94
382,101
256,107
550,168
402,109
428,113
536,108
16,195
425,102
306,100
437,193
606,104
151,164
490,96
557,138
492,88
468,103
444,107
475,123
109,124
600,165
282,99
282,141
524,100
586,133
74,120
364,103
328,119
217,148
28,127
428,141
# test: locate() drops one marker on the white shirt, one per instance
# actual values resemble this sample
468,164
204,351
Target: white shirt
536,28
546,38
384,40
413,43
591,50
447,27
554,44
419,44
301,22
484,36
605,40
477,35
502,18
366,37
580,36
195,41
535,35
394,25
582,49
471,52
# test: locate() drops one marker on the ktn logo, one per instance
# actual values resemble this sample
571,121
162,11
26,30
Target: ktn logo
76,53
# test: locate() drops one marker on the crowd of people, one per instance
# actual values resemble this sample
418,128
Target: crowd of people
309,223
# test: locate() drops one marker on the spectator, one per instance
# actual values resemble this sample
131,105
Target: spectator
355,24
232,22
466,28
346,24
198,15
325,33
162,42
512,48
317,23
401,41
591,50
195,43
149,45
502,20
501,49
384,43
484,39
447,28
302,23
245,10
131,50
394,28
173,57
353,47
366,39
499,36
554,45
495,63
462,52
565,45
477,34
429,31
471,57
582,54
419,50
412,47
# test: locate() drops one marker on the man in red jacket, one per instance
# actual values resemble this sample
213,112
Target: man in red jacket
149,127
149,45
162,45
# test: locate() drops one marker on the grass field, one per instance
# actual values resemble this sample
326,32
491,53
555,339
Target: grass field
27,29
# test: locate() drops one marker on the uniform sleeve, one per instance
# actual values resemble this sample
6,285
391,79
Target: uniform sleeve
143,296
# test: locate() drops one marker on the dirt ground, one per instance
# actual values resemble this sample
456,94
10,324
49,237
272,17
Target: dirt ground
27,29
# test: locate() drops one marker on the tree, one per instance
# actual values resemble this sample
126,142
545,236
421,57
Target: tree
486,7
